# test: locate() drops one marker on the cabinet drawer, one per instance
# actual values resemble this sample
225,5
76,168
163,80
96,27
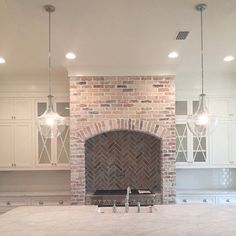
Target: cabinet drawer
227,200
50,201
195,200
13,201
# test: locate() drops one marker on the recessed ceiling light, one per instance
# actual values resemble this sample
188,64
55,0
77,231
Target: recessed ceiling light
229,58
70,56
173,55
2,60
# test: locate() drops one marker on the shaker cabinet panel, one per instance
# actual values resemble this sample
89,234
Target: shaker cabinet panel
16,109
219,144
6,109
232,143
6,145
23,145
23,109
218,108
232,109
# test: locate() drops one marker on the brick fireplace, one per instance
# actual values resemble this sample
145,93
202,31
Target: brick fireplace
105,111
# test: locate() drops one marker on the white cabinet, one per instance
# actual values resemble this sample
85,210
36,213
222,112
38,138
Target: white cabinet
16,110
6,145
219,144
23,152
195,199
207,197
16,145
223,144
232,142
53,153
224,108
190,150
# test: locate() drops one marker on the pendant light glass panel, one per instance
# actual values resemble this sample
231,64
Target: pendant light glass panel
202,123
51,124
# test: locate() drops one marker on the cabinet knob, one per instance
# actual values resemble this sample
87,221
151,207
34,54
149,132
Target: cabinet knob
61,202
185,200
228,200
40,202
205,200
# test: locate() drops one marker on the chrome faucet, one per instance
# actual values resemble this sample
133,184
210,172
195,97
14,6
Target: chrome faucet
127,199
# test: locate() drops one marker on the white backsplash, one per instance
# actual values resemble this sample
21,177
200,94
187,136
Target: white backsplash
206,179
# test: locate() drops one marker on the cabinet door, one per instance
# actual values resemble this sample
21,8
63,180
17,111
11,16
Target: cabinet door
6,109
62,150
23,154
199,149
181,143
219,144
232,143
23,109
232,108
6,145
219,108
44,145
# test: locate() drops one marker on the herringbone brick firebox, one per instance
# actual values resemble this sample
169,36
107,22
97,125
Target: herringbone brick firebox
106,111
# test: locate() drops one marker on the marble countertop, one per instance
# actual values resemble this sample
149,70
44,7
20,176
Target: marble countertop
166,220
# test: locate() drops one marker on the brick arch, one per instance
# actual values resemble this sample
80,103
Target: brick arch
122,124
78,179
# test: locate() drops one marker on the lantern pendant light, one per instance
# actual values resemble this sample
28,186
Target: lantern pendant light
201,122
50,123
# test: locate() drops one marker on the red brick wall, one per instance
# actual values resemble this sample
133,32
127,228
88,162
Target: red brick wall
100,104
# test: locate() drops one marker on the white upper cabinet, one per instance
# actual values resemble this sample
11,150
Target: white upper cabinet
6,109
232,143
219,144
16,145
224,109
53,153
6,145
23,156
232,108
190,150
23,109
16,109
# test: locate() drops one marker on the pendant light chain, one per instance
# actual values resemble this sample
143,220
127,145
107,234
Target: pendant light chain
202,52
49,53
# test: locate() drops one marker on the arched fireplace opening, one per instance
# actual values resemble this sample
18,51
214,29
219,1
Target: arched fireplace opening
117,159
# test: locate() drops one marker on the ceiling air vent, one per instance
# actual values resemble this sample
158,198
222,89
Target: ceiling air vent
182,35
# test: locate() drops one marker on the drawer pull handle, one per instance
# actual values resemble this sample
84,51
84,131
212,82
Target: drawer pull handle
8,203
227,200
61,202
40,202
205,200
185,200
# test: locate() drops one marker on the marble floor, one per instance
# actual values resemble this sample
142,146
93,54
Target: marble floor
171,220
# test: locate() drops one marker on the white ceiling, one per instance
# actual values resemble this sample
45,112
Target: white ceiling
115,36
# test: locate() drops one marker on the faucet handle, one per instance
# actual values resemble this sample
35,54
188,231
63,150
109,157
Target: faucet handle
129,189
